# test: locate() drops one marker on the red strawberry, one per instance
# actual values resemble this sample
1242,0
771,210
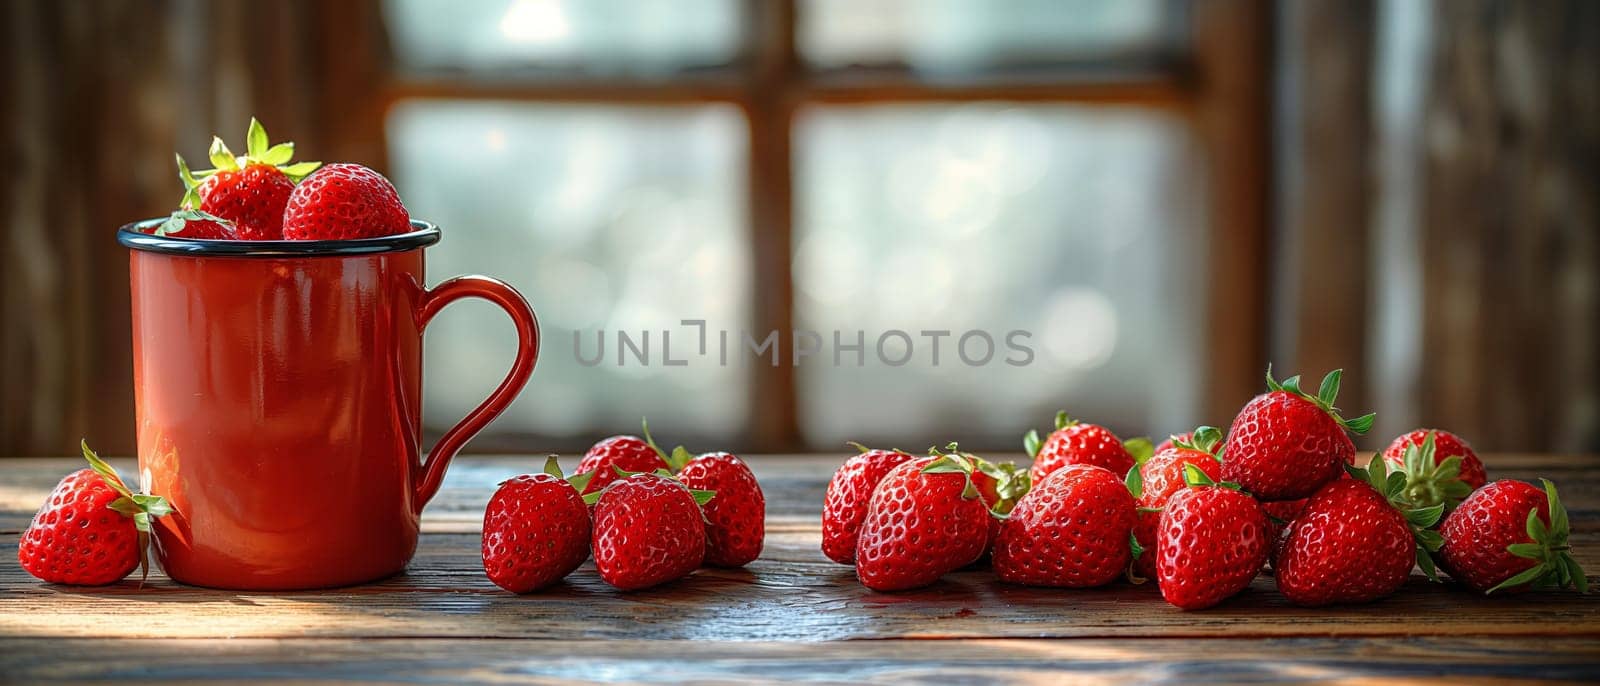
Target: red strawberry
1509,536
1285,444
1439,467
1351,544
1211,542
535,531
1158,478
648,530
925,518
250,191
599,466
1074,442
344,201
196,224
849,492
736,518
91,531
1072,530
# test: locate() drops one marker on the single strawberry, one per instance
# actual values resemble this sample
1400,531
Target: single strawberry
1439,467
92,530
849,492
1211,542
535,531
344,201
925,518
1508,537
250,191
191,223
1285,444
648,530
604,461
1351,543
1158,478
1073,530
1074,442
736,518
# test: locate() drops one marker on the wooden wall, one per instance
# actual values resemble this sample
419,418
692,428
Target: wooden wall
1507,234
92,88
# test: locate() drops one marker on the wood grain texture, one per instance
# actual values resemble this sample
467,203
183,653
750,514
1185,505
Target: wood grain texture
443,621
453,661
1511,224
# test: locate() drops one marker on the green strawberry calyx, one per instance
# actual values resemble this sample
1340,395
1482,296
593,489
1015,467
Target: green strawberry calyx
1204,439
1420,519
862,449
952,461
1428,483
1031,442
1133,563
701,497
1194,477
178,220
140,507
1324,399
1549,547
1011,483
1141,448
258,150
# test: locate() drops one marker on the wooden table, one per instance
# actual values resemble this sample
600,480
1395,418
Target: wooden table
791,616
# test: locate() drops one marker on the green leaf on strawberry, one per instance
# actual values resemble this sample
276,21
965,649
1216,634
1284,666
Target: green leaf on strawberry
552,466
1327,393
1135,482
1205,439
1031,443
581,480
1140,448
1392,485
1549,545
140,507
702,497
258,150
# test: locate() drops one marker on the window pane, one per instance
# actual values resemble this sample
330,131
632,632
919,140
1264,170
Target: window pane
596,36
967,35
605,218
1077,224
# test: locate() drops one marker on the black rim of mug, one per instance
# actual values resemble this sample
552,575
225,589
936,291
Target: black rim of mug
135,236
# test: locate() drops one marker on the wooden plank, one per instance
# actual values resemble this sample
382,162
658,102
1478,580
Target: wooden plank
451,661
791,594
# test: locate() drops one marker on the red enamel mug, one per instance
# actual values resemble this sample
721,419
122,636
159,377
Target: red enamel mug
278,386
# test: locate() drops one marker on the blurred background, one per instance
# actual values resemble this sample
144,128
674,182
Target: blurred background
1167,194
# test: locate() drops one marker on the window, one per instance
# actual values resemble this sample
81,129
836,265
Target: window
961,165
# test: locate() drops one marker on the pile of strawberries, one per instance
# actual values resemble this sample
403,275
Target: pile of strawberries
647,516
1202,514
261,196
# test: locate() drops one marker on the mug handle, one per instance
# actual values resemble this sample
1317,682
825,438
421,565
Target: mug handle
502,294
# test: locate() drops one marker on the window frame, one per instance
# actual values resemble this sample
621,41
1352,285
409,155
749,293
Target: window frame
1214,77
